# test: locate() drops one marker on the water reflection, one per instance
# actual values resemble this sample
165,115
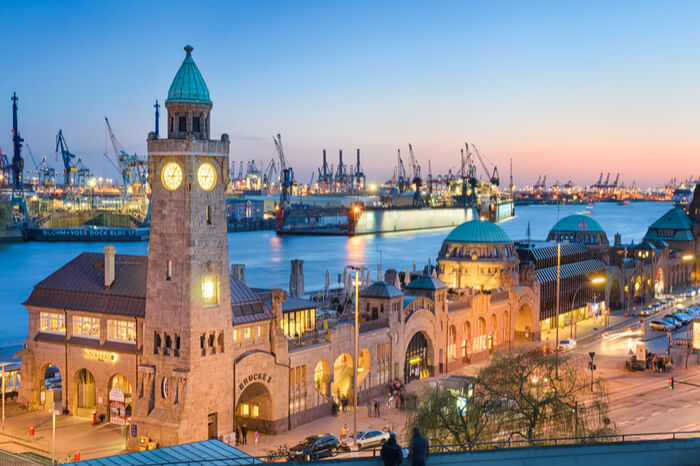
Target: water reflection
267,257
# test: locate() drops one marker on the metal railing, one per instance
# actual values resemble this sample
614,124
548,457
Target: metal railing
501,444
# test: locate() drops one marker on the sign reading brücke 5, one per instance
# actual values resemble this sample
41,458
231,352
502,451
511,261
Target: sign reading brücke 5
256,377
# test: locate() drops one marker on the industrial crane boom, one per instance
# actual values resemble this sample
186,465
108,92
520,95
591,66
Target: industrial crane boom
493,177
62,148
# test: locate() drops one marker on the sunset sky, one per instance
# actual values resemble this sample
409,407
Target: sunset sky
566,88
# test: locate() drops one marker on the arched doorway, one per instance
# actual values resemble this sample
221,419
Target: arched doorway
322,378
86,392
659,282
417,363
466,341
52,388
254,409
342,379
480,335
364,361
493,337
523,324
452,343
120,382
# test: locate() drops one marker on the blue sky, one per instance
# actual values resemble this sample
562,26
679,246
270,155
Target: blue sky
564,88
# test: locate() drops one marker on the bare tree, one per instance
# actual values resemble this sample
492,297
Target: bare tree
452,415
534,402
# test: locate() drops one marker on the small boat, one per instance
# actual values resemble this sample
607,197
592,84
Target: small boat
624,202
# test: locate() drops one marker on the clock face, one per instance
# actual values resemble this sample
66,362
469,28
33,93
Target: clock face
171,176
206,176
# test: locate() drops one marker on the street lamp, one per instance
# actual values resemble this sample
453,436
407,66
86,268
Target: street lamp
357,338
592,281
2,369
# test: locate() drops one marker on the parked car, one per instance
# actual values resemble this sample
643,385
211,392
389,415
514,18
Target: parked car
315,447
566,345
675,323
682,316
661,325
367,439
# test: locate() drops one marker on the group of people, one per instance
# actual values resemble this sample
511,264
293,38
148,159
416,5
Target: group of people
340,403
242,435
658,363
392,453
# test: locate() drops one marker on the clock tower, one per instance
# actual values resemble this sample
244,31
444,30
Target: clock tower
185,376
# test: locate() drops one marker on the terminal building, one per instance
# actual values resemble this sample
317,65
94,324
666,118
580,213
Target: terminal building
179,346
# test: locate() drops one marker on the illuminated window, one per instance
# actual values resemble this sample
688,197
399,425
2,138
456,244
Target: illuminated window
52,322
247,333
210,290
245,409
256,410
86,326
169,271
121,330
236,334
249,410
260,330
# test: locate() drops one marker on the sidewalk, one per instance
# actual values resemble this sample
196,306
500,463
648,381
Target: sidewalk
393,418
72,434
588,328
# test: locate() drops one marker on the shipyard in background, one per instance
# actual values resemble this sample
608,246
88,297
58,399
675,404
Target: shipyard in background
64,201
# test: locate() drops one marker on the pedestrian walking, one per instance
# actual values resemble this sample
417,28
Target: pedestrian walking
391,452
344,432
376,409
244,434
419,448
238,435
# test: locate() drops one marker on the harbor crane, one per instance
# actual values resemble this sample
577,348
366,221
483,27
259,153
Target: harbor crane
417,181
132,168
401,177
268,174
325,174
359,175
47,174
492,176
68,165
607,180
18,204
286,173
5,167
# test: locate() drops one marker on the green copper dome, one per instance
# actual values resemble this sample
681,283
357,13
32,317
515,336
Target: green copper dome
188,85
478,232
578,223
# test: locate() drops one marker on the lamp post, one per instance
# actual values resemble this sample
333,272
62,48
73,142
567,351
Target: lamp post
593,281
357,335
556,341
2,368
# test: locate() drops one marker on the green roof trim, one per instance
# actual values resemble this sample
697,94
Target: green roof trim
188,85
578,223
478,232
675,220
426,282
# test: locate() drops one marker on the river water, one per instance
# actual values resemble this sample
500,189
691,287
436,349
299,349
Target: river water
267,257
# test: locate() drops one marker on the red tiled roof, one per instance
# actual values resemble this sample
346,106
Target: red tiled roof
79,285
